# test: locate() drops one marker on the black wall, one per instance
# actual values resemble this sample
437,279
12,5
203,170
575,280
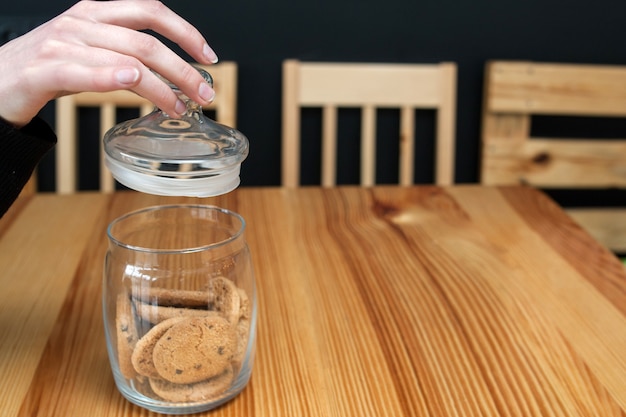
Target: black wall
259,35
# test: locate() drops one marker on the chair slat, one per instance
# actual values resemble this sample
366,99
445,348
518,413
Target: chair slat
65,159
290,160
107,121
445,144
407,145
329,146
368,146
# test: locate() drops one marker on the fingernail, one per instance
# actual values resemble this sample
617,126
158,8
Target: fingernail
180,107
206,92
209,54
127,75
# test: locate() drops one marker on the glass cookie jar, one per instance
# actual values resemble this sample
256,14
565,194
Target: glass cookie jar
179,305
191,156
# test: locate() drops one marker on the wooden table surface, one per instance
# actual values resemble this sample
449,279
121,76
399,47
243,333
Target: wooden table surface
388,301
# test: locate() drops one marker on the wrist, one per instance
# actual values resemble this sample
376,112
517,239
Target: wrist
12,124
15,122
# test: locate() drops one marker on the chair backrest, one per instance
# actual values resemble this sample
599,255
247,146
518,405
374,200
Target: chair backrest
225,105
514,93
368,86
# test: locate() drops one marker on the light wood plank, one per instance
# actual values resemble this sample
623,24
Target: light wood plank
544,88
385,301
395,84
606,225
574,307
38,261
554,163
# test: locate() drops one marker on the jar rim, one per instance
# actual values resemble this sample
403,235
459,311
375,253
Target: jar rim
138,248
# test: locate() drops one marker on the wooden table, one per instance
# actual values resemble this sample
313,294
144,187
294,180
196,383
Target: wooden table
421,301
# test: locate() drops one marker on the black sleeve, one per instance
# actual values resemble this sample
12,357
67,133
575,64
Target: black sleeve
20,152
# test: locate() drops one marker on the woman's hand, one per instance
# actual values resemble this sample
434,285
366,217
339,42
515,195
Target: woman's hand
97,46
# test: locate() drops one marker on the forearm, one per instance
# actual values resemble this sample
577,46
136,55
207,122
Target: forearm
20,152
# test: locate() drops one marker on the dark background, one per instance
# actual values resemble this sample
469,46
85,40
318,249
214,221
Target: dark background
260,35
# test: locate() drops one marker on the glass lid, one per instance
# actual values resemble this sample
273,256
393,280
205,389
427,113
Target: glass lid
191,156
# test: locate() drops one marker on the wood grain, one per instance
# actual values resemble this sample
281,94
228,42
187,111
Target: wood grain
514,153
37,270
384,301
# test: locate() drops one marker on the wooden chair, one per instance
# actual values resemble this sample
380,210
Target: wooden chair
368,86
225,104
514,93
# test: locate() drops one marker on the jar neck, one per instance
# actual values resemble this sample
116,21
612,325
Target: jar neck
178,229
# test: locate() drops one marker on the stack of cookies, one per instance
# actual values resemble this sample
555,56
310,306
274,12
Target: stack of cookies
182,345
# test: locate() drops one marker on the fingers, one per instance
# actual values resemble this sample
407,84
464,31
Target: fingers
96,46
111,44
115,29
94,69
101,78
153,15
